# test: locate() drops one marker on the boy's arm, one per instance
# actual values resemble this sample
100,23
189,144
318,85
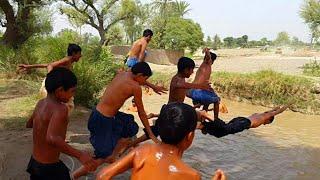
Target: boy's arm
181,84
29,123
157,89
25,67
55,136
116,168
142,51
142,114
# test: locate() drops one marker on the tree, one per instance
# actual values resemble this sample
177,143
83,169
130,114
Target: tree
216,42
99,16
21,20
310,12
229,42
183,33
282,38
209,42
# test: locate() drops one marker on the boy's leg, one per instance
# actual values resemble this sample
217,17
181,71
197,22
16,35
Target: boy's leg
266,117
216,110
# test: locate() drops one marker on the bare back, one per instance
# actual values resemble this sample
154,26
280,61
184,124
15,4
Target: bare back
117,92
203,73
137,48
43,151
176,94
154,161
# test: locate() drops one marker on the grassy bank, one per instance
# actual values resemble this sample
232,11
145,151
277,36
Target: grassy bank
312,69
266,88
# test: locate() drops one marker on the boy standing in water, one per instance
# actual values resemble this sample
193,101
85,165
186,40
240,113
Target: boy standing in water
110,129
138,50
49,122
204,97
177,123
73,56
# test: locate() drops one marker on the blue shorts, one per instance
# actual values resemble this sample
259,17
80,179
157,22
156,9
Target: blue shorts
203,97
106,131
131,62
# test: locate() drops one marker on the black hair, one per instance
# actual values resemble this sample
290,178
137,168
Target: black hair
175,121
60,77
213,57
147,33
143,68
185,63
73,48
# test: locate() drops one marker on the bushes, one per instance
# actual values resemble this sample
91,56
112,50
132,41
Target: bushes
312,69
268,87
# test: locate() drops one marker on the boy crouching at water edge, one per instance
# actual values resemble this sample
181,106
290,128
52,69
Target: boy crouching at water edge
110,129
177,123
49,122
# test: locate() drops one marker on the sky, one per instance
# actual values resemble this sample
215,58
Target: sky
255,18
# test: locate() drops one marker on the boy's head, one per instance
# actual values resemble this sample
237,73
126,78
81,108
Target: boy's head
148,34
177,123
142,72
186,66
74,50
213,58
62,83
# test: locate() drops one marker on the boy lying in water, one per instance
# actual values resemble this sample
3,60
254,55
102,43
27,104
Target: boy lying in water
177,123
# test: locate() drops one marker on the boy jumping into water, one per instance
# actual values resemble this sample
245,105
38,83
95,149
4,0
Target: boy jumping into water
204,97
177,123
49,122
110,129
73,56
138,51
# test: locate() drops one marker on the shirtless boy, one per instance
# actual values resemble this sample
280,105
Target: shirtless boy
177,123
110,129
49,122
204,97
138,50
73,56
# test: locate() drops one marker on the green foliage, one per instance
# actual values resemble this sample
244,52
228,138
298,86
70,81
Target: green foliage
268,87
229,42
310,12
216,42
93,75
312,69
283,38
183,33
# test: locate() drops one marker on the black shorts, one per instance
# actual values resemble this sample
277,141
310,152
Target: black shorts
54,171
154,129
219,128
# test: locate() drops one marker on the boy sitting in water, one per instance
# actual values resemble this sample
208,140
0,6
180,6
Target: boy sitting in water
177,123
49,122
205,97
110,129
73,56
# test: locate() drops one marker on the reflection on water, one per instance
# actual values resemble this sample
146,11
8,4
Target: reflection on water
287,149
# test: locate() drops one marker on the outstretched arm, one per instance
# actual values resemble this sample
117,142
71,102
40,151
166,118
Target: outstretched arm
181,84
157,89
117,167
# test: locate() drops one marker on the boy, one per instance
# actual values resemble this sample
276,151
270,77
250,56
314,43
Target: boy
178,85
204,97
110,130
219,128
73,56
138,51
49,122
177,123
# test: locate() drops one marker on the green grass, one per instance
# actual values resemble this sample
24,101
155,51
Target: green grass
312,69
269,88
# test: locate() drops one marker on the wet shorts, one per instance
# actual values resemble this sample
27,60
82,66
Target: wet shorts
54,171
154,129
106,131
131,62
203,97
219,128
